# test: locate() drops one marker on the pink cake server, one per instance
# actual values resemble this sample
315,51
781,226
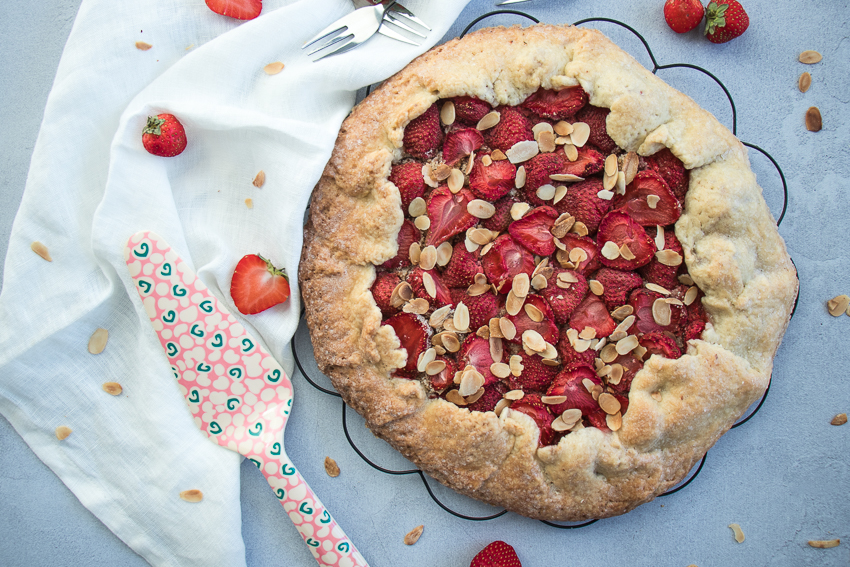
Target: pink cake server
237,392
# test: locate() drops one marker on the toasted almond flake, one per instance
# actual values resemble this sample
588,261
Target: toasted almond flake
425,359
578,255
330,467
571,151
621,183
428,175
501,406
259,179
522,151
451,342
477,289
429,285
661,312
627,322
609,182
561,140
401,293
550,352
560,193
652,201
471,381
62,432
639,352
520,284
669,257
480,209
440,350
546,142
572,335
814,122
495,331
580,134
656,396
508,328
273,68
691,294
596,287
626,252
657,288
496,348
249,203
470,162
435,367
610,250
605,195
455,180
546,192
614,422
659,237
417,306
483,332
625,346
616,374
194,495
442,172
739,533
630,166
414,534
533,313
609,403
839,419
515,363
438,317
611,165
41,250
838,305
489,120
513,303
480,279
470,245
539,282
97,341
559,425
514,395
563,128
686,279
454,397
582,345
810,57
541,127
518,210
428,258
498,155
447,113
461,317
565,177
444,253
571,415
143,45
480,236
422,222
804,82
587,333
553,400
673,301
417,207
580,228
500,370
112,388
824,543
617,335
588,384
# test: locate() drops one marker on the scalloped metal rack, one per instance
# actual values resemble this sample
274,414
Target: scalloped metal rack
655,68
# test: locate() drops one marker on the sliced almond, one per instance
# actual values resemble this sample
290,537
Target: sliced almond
417,306
112,388
659,237
501,406
553,400
425,359
428,258
611,165
429,285
615,374
500,370
580,134
41,250
428,176
62,432
447,113
273,68
559,425
739,533
522,151
546,142
444,253
609,182
626,252
661,312
454,397
487,161
415,253
515,363
519,180
514,395
481,209
546,192
435,367
508,328
625,346
580,228
609,403
605,195
249,203
422,222
533,313
686,279
824,543
144,46
417,207
669,257
622,312
596,287
539,282
630,166
451,342
442,172
414,534
259,179
652,201
97,341
489,120
513,304
804,82
563,128
691,295
498,155
838,305
560,193
571,151
810,57
578,255
533,340
470,383
657,288
814,122
438,317
477,289
614,422
518,210
520,285
565,177
610,250
839,419
461,317
621,183
496,348
455,180
193,495
331,467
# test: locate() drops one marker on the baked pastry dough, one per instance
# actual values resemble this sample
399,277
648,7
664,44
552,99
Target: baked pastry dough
677,409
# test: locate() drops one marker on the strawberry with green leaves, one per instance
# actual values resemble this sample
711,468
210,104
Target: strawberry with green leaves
257,285
164,136
725,20
683,15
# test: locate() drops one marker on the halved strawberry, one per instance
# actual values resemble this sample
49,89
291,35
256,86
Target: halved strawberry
482,307
642,300
448,214
382,291
407,235
597,118
513,127
475,351
531,406
569,383
497,554
532,230
583,202
592,312
547,328
413,333
423,135
537,172
617,284
556,105
446,376
257,285
588,162
239,9
696,320
505,260
656,342
591,261
636,202
598,419
490,182
563,301
662,274
443,294
502,217
461,269
631,366
569,355
469,110
460,143
488,400
672,170
408,178
535,376
619,228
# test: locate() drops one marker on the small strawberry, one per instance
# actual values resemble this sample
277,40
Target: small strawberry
446,376
239,9
556,105
462,267
546,327
513,127
257,285
591,252
661,274
448,214
407,235
505,260
497,554
460,143
537,172
648,200
570,383
658,343
672,170
533,407
482,307
502,217
532,230
619,228
683,15
617,284
591,312
382,291
588,162
164,136
631,366
490,182
564,300
725,20
641,300
571,357
488,400
408,178
469,110
583,202
443,294
597,118
423,135
535,376
475,351
414,334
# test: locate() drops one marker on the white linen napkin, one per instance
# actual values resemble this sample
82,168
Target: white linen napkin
91,185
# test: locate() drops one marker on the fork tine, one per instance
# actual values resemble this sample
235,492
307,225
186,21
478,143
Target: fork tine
401,10
389,32
333,28
397,21
337,46
346,38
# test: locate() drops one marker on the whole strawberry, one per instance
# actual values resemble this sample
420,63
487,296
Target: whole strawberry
257,285
725,20
683,15
164,135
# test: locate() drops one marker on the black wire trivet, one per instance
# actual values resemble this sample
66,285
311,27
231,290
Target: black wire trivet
655,68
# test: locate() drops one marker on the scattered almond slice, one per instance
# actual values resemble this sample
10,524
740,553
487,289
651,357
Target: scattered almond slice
447,113
810,57
143,45
41,250
498,155
610,250
112,388
565,177
273,68
461,317
519,180
804,82
508,328
838,305
669,257
249,203
630,166
413,535
739,533
331,467
814,122
580,134
455,180
571,151
417,207
839,419
546,192
522,151
481,209
259,179
824,543
546,142
62,432
98,340
489,120
194,495
454,397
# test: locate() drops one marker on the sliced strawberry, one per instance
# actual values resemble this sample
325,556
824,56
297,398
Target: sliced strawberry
619,228
556,105
597,118
460,143
569,355
443,294
588,162
505,260
413,333
563,301
446,376
662,274
523,322
497,554
382,291
642,300
598,419
408,178
696,320
502,217
658,343
513,127
532,230
239,9
531,406
535,376
407,235
475,351
469,110
482,307
591,261
461,269
423,135
488,400
617,284
583,202
448,214
537,172
631,366
257,285
593,313
490,182
636,202
569,383
672,170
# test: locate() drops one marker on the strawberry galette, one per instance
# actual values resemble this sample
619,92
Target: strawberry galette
543,275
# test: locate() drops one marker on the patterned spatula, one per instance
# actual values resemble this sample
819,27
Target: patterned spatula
237,392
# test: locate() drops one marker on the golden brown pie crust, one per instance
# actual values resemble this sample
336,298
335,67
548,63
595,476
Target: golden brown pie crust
732,250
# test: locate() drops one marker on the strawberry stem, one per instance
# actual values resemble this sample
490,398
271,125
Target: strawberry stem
154,126
715,17
272,270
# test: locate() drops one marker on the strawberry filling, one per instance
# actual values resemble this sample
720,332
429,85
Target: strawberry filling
506,260
448,214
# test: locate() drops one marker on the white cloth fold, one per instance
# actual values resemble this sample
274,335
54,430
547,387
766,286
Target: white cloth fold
91,185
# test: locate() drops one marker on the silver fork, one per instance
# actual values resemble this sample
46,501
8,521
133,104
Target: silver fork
397,15
348,32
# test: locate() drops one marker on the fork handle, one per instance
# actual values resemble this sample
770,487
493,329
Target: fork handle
324,537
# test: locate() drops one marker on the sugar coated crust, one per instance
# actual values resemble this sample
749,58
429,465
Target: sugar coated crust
677,408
